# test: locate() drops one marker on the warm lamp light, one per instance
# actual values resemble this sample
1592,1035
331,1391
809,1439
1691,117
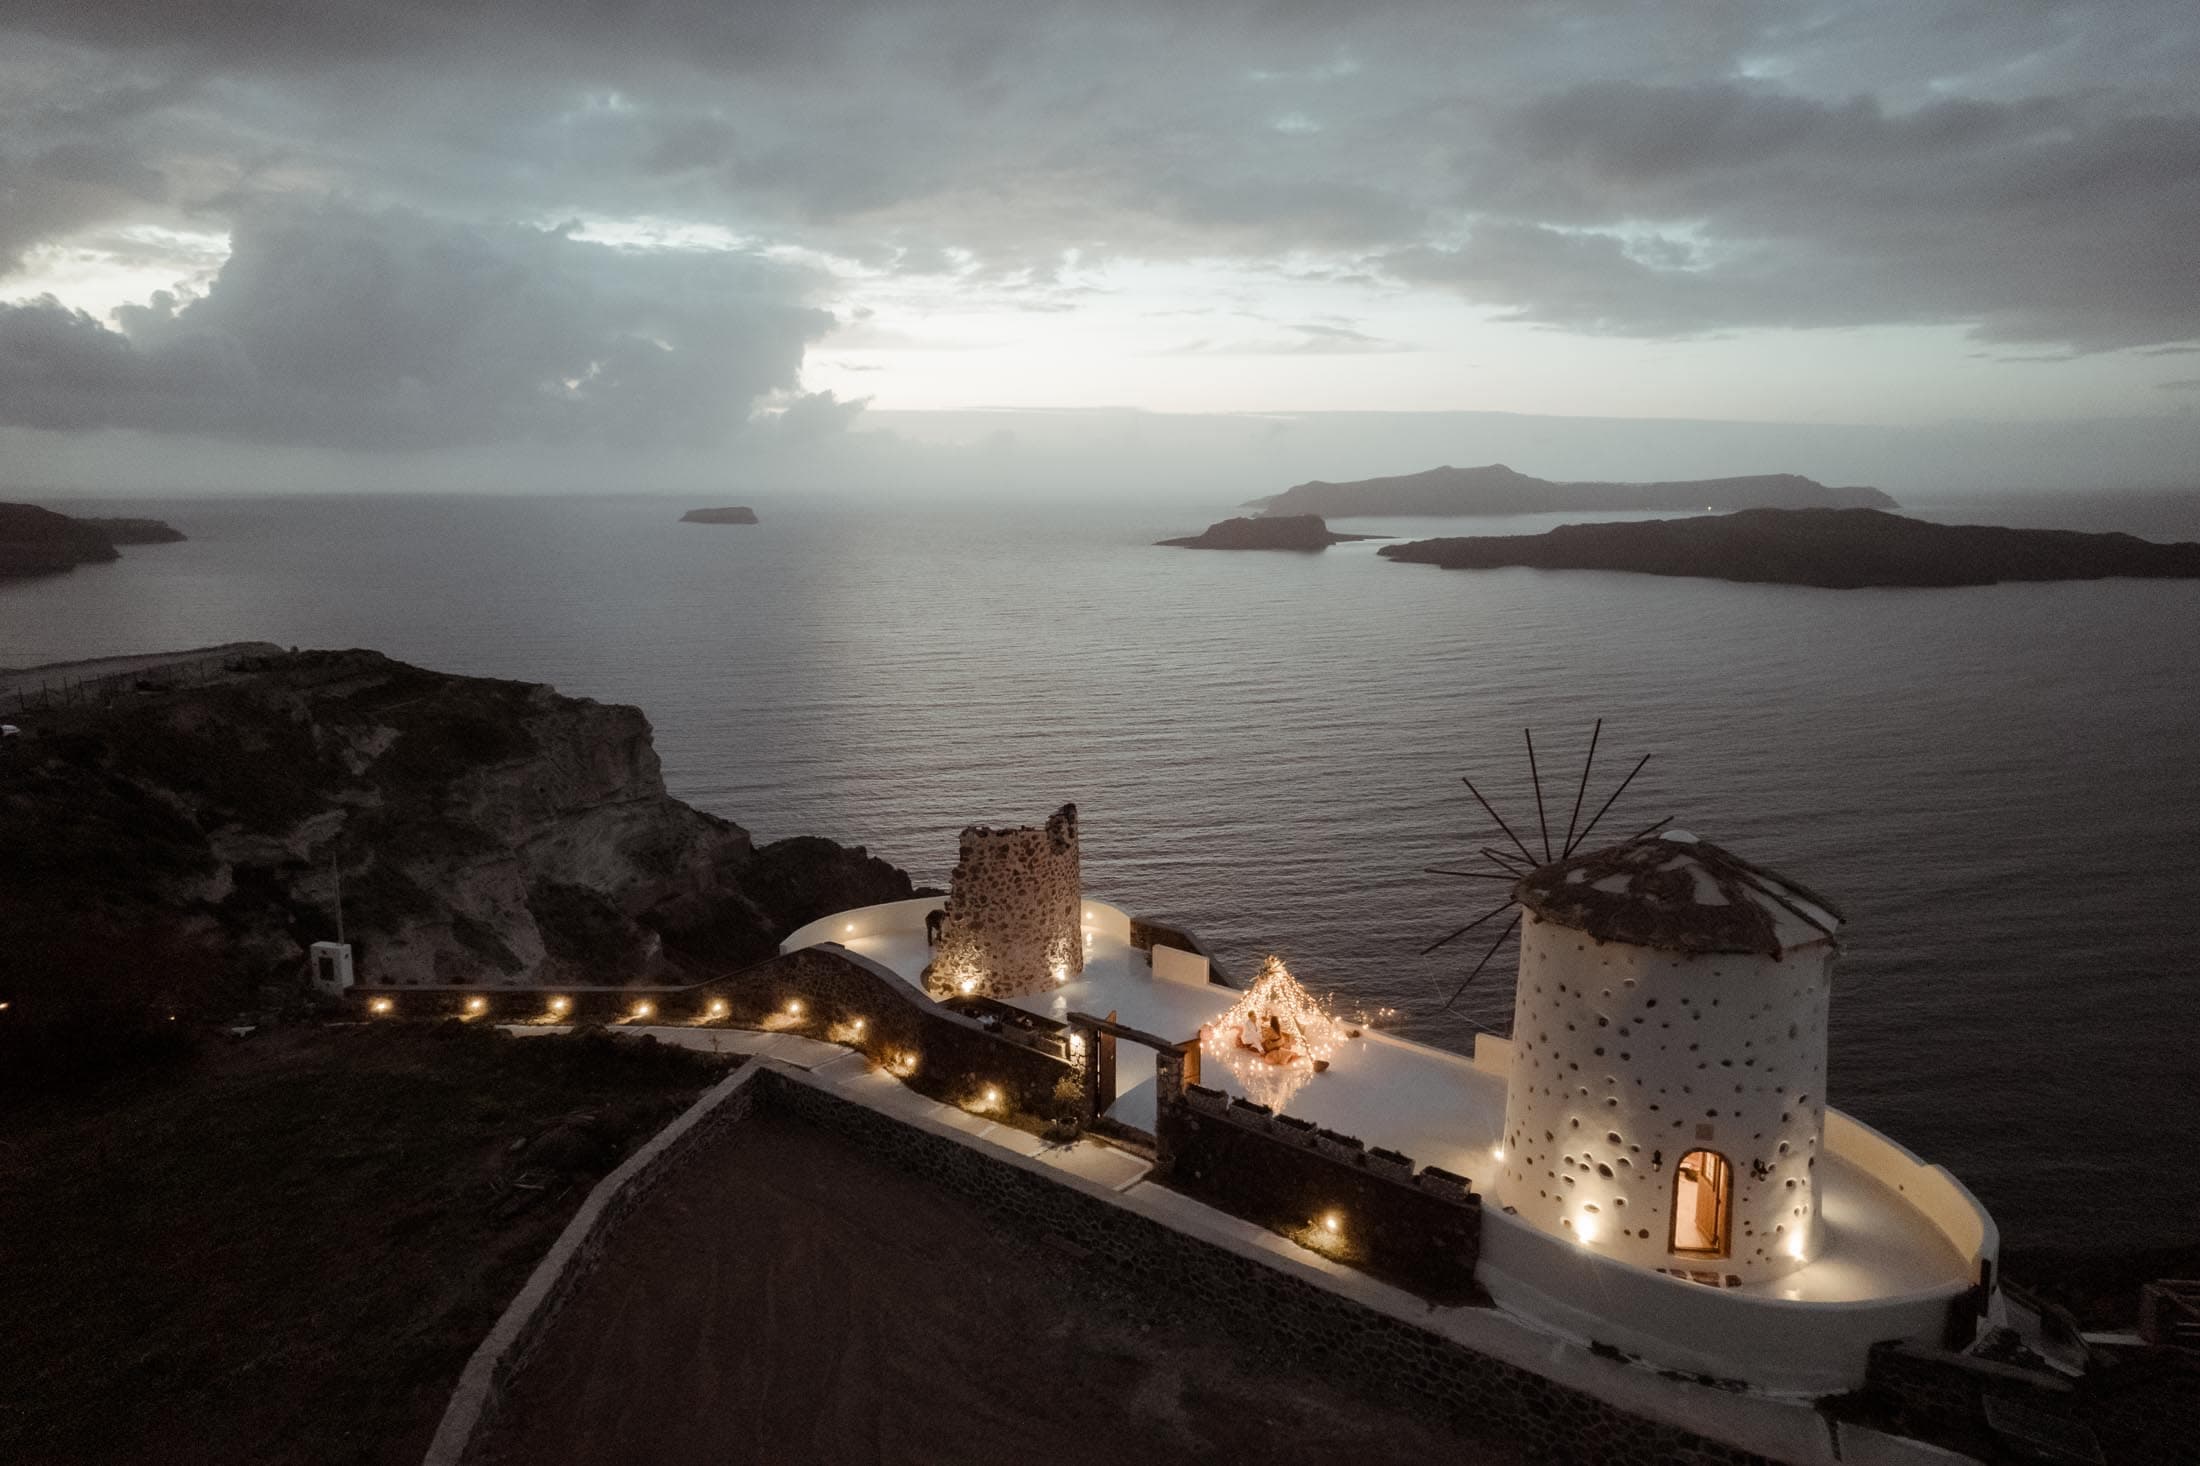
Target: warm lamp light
561,1005
1332,1223
380,1005
717,1008
1585,1227
645,1010
993,1096
476,1005
968,985
794,1007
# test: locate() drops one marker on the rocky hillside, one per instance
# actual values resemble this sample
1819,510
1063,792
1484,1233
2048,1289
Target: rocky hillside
187,840
35,541
1496,489
1837,549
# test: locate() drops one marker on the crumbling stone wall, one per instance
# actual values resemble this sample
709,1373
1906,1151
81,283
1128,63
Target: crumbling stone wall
1011,925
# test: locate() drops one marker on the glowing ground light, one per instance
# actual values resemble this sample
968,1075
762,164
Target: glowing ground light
968,985
850,927
645,1010
1332,1223
717,1008
859,1025
794,1007
561,1005
993,1096
381,1005
476,1005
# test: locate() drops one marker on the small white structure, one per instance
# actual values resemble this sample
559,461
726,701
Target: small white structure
1667,1098
331,962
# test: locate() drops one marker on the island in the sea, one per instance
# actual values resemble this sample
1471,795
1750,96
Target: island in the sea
1496,489
733,514
1838,549
35,541
1269,532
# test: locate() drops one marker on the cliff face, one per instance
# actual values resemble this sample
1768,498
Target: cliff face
485,831
1496,489
35,541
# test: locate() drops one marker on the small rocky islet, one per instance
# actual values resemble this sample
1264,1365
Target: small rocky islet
1268,532
731,514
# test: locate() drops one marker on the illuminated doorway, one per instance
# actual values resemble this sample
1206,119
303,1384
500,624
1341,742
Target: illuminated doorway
1703,1205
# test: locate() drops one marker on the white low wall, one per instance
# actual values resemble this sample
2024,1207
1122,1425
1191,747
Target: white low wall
1938,1196
1172,964
1780,1345
865,921
892,917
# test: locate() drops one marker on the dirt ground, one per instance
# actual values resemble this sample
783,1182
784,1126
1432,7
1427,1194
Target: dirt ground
786,1298
283,1251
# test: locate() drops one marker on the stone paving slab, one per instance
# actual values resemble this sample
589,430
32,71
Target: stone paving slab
1112,1168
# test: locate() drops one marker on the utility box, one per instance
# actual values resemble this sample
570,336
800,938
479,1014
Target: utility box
331,967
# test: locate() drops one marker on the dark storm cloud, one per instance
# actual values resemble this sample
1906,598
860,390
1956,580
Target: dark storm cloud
336,327
2028,172
2038,220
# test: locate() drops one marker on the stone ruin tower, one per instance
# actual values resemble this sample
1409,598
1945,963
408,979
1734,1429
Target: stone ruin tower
1666,1105
1011,926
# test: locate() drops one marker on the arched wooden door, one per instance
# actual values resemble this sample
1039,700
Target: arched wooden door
1703,1205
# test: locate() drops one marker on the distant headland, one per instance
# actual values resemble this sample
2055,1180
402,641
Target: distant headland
1837,549
35,541
1496,489
735,514
1269,532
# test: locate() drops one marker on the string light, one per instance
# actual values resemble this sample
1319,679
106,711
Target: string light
1272,1037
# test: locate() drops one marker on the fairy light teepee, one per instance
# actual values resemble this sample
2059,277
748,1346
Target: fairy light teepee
1276,1022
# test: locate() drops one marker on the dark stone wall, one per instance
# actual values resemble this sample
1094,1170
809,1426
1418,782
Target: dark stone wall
1423,1238
950,1056
1381,1357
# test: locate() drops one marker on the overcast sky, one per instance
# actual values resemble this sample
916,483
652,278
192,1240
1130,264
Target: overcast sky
440,242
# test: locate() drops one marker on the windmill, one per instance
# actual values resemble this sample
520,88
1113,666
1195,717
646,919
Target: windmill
1511,868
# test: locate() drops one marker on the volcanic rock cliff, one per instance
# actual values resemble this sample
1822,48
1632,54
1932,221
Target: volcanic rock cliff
485,831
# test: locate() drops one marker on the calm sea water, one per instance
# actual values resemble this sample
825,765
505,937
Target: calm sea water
2002,785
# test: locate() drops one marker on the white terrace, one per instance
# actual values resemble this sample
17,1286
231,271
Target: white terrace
1900,1238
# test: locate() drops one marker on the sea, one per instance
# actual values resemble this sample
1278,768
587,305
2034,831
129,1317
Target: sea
1999,785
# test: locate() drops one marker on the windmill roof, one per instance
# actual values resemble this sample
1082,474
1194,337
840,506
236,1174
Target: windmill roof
1676,893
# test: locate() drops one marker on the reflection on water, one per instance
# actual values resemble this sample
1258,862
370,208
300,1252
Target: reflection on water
1997,783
